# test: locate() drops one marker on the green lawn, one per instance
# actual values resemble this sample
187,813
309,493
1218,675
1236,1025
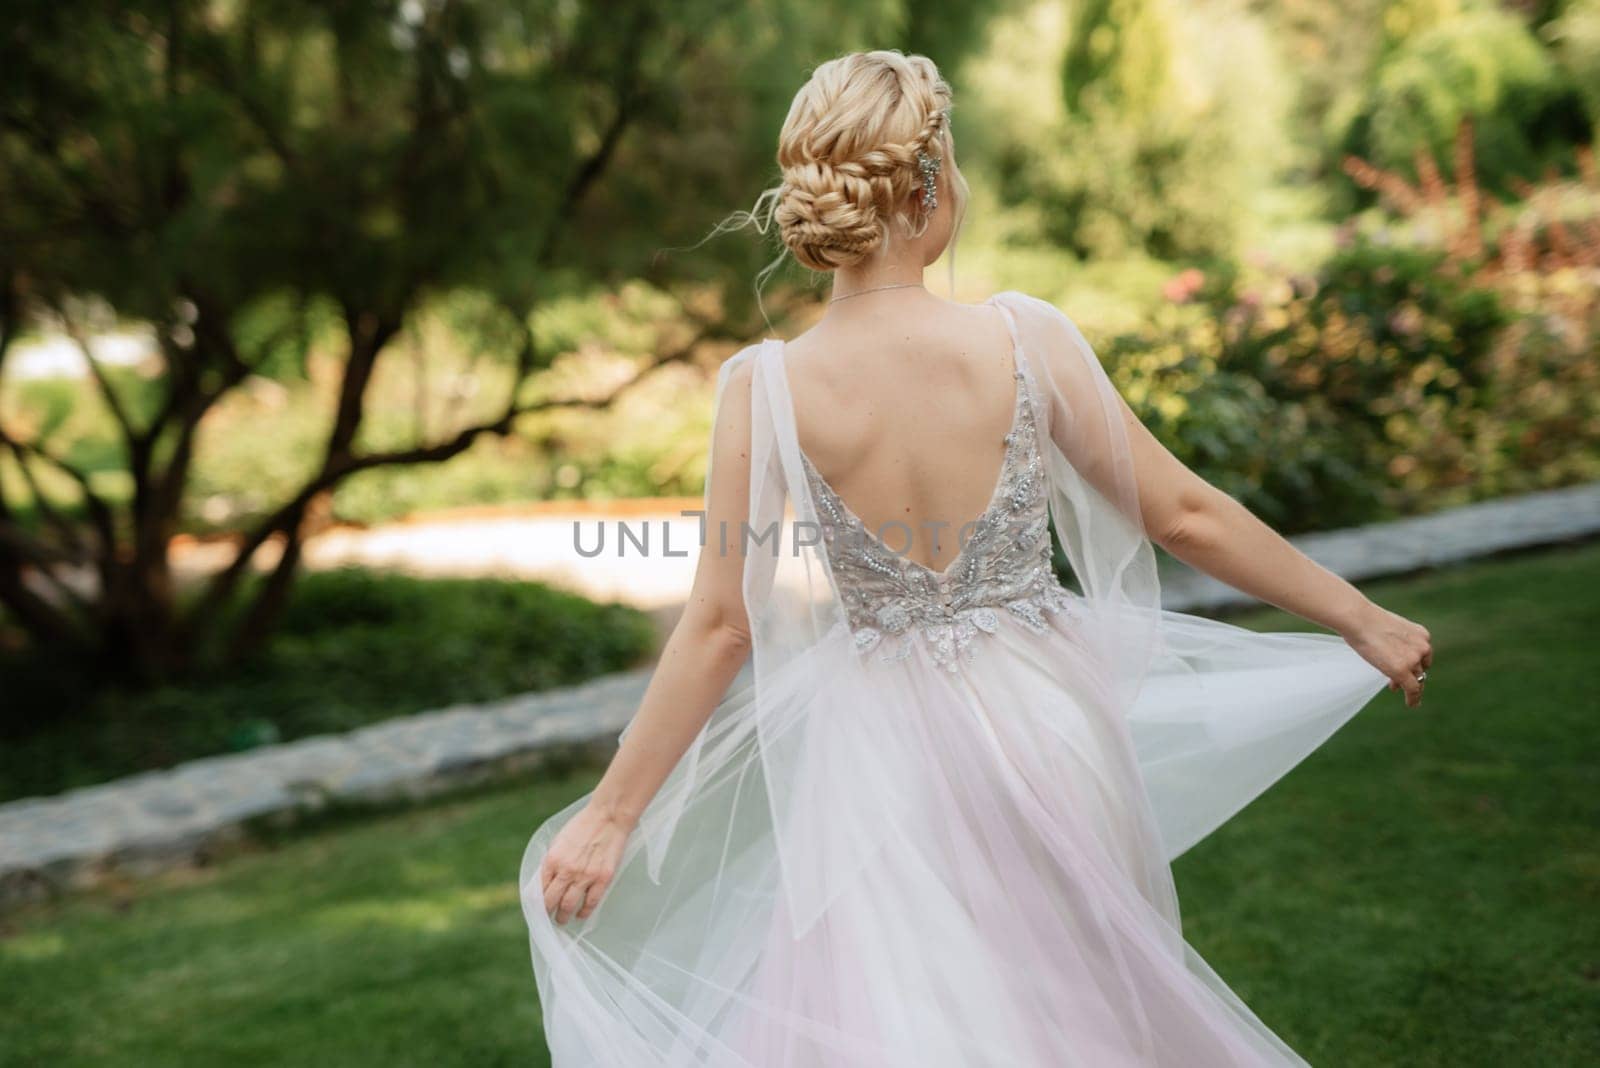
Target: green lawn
1424,890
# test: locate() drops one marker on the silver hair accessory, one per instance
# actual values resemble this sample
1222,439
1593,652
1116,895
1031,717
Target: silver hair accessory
929,166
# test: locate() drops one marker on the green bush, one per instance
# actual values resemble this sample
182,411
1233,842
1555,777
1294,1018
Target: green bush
1108,188
355,647
1387,385
1225,424
1385,360
1167,132
1485,65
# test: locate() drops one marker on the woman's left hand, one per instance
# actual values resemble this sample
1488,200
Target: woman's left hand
581,861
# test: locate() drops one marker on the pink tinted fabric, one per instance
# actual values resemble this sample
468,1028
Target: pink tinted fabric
864,861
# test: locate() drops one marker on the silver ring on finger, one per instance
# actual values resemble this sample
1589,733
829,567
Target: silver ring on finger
1422,676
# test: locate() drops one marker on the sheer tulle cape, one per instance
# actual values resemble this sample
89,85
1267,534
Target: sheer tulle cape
831,783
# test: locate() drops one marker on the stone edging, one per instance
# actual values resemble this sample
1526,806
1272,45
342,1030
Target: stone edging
1401,545
159,819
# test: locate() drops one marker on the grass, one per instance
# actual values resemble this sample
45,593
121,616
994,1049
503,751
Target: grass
394,942
1423,890
355,647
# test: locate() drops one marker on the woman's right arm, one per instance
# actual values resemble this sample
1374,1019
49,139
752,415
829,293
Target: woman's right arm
1212,532
708,646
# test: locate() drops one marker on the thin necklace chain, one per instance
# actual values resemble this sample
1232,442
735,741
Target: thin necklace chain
874,289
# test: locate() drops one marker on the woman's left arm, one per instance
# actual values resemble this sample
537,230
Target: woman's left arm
708,646
1214,533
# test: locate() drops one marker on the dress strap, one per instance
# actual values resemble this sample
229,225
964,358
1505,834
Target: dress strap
1017,357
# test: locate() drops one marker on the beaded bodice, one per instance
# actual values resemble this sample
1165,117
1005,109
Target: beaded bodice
1002,566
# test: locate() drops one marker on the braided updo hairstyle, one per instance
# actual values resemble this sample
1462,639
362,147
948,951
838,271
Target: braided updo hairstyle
848,150
848,153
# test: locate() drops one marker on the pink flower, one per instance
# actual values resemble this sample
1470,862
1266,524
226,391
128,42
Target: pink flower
1182,286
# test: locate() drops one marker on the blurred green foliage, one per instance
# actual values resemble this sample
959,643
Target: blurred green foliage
1112,145
1130,150
1488,65
1167,123
1574,37
1121,50
374,202
1116,149
1385,385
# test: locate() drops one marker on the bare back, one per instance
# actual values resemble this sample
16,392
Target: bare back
905,413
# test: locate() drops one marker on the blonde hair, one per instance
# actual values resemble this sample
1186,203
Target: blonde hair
848,154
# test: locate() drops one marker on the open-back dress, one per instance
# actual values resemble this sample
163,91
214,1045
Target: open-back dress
935,830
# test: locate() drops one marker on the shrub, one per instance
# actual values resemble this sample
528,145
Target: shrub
356,646
1387,385
1486,66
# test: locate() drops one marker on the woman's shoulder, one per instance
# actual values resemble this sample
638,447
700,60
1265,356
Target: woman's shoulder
736,373
741,363
793,350
1016,298
1046,322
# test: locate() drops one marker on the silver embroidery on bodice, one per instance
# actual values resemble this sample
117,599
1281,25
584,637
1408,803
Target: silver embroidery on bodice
1002,566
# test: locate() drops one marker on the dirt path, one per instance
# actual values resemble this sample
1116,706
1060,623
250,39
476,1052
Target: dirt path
641,553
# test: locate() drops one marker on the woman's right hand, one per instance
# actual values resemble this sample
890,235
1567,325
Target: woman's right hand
1394,645
579,865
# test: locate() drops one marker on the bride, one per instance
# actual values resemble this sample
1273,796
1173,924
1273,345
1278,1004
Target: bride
936,827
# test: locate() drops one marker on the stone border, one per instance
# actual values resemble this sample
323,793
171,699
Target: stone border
161,819
1401,545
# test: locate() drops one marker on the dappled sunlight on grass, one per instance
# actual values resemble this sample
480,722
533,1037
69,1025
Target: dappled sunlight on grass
35,945
430,914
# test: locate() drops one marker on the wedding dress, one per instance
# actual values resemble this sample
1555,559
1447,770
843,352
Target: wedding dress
936,829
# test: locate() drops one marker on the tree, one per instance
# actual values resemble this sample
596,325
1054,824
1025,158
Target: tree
248,178
1486,67
1120,48
235,175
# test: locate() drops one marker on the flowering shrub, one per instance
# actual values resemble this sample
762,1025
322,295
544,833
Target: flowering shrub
1389,384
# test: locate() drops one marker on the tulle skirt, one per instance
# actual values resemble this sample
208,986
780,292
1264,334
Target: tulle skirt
890,863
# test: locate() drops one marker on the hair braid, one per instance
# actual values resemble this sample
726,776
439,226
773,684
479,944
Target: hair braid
849,154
